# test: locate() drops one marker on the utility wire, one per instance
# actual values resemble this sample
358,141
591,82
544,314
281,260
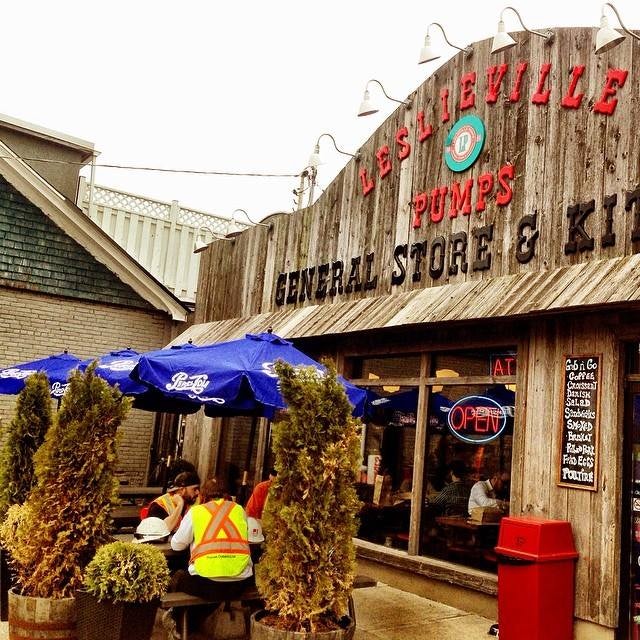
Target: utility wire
134,168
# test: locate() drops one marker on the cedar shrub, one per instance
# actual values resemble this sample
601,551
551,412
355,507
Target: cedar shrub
127,572
306,573
26,432
67,515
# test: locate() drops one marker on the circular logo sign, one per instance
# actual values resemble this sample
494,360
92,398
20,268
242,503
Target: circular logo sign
476,419
464,143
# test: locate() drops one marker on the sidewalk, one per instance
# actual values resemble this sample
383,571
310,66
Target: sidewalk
385,613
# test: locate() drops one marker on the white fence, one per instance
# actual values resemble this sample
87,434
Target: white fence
159,235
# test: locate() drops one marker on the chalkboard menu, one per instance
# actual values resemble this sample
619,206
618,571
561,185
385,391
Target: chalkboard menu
580,420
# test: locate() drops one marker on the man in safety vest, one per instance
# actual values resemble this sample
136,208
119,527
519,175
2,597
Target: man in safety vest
181,495
216,531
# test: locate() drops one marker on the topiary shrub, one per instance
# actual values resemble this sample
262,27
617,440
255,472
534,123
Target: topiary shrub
127,572
307,572
26,432
67,515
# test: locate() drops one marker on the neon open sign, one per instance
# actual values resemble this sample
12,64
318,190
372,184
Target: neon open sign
476,419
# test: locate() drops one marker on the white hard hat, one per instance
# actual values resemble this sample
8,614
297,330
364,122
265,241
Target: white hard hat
255,530
151,530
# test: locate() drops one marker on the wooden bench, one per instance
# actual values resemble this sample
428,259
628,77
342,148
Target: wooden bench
182,602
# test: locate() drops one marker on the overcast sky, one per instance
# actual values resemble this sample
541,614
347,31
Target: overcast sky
233,85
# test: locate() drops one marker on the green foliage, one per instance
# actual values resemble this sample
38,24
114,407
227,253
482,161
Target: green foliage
67,515
26,433
308,567
127,572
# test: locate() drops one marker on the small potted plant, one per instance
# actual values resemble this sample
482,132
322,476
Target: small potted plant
123,585
306,573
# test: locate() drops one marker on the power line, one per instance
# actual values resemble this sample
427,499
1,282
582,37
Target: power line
161,170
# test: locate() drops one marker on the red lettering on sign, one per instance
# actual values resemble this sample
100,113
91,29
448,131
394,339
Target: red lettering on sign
615,77
423,131
540,96
367,185
405,147
514,96
485,184
467,96
384,164
444,100
571,101
505,173
476,419
419,207
504,366
460,200
438,199
494,83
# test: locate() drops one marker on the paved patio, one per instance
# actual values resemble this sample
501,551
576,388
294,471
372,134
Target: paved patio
385,613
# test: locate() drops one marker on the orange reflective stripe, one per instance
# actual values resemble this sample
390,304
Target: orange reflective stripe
166,502
210,544
218,517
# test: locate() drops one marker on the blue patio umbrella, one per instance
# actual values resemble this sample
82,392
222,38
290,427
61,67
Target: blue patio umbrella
115,367
57,367
231,378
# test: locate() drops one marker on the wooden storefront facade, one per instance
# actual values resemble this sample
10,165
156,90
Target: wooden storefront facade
500,212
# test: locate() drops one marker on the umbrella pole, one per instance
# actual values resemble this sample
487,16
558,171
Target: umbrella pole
244,488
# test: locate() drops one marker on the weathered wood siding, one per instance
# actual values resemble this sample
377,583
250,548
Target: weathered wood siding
560,157
594,515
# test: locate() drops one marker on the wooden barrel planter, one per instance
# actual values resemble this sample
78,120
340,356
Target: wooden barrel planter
261,631
42,618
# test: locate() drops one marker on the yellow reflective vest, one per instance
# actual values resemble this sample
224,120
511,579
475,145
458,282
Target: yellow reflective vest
220,539
166,502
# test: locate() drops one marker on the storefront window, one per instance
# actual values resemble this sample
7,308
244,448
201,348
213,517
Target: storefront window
388,444
469,441
407,366
469,433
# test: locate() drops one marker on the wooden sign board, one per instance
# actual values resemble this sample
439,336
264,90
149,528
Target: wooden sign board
578,463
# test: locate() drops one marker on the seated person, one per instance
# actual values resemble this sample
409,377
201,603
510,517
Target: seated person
453,500
484,493
173,505
216,531
255,504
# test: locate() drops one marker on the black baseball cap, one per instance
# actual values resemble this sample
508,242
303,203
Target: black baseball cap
184,479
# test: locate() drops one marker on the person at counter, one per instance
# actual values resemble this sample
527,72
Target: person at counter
453,499
173,505
486,493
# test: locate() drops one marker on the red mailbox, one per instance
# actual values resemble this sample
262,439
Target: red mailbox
536,568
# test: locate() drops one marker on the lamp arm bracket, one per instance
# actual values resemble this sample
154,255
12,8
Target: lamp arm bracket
608,4
467,50
406,103
547,34
346,153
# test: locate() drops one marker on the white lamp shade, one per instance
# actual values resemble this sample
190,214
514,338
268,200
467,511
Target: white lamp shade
607,37
314,160
502,40
366,108
427,53
199,245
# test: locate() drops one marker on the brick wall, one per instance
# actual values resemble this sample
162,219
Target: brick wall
35,325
